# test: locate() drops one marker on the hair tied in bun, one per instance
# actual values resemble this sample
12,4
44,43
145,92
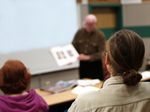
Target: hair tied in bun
131,77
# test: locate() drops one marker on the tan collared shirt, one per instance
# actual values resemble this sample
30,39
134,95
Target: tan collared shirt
89,43
115,97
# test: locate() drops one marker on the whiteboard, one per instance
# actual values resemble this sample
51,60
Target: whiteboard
31,24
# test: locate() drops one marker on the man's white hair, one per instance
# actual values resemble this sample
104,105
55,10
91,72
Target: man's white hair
90,19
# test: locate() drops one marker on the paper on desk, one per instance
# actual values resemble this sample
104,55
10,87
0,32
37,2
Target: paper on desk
88,82
83,90
61,86
145,75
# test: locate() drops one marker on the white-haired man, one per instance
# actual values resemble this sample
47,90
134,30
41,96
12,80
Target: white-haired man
90,43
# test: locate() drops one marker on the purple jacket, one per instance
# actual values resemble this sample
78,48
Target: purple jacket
30,102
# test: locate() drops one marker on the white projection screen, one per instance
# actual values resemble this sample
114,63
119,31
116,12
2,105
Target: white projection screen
30,24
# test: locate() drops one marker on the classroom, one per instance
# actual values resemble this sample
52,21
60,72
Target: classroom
74,55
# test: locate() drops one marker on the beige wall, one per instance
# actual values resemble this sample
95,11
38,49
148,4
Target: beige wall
136,14
50,79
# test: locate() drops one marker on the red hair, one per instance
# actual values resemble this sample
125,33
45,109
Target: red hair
14,76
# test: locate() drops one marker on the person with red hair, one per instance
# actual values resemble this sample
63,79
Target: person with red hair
14,83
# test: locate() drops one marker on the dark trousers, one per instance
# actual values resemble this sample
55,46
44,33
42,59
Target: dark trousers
91,69
147,67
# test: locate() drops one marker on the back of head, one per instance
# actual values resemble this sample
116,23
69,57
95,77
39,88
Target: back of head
126,52
90,19
15,77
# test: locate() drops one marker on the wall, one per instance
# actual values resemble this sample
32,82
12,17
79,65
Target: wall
137,18
136,14
49,79
26,27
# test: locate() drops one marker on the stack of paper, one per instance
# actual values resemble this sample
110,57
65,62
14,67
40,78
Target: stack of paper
86,86
145,75
88,82
61,86
83,90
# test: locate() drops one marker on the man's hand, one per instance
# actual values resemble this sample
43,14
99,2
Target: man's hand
83,57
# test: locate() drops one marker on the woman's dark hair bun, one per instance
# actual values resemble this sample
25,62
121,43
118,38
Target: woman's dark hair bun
131,77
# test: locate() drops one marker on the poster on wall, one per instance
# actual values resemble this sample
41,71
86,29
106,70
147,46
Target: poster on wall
130,1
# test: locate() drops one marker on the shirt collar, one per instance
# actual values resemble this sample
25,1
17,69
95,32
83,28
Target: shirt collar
113,81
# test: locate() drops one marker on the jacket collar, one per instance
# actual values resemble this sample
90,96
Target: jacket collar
113,81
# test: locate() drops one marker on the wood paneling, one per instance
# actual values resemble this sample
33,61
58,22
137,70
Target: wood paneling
106,17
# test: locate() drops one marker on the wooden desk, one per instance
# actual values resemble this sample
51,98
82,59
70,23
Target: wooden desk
54,99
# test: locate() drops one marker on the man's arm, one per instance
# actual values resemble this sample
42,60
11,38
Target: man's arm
75,41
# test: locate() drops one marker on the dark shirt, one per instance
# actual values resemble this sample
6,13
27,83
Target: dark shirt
92,44
148,64
89,43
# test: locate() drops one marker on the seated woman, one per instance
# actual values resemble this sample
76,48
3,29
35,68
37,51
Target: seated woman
123,91
14,82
